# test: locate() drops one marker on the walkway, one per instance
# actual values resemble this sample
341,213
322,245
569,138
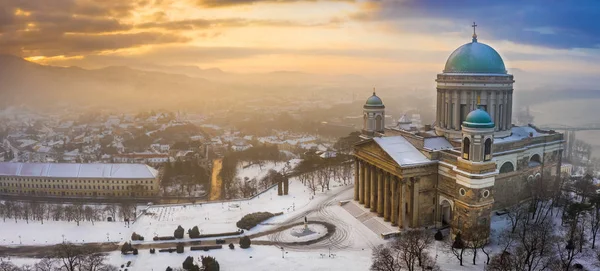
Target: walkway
215,181
370,219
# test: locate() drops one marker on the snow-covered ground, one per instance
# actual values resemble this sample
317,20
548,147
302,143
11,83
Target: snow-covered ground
221,216
256,258
258,172
162,220
51,232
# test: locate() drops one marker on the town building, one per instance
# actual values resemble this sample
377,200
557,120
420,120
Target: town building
472,162
78,180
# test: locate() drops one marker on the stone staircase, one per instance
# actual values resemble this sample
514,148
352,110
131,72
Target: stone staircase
368,218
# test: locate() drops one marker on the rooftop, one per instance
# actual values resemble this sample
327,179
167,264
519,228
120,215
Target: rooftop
78,171
404,153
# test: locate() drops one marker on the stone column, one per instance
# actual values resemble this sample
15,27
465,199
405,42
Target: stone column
456,110
438,111
380,192
403,205
387,198
394,209
447,110
356,181
509,112
374,170
368,186
361,186
415,205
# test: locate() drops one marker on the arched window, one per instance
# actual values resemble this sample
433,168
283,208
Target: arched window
536,159
507,167
378,123
487,151
466,148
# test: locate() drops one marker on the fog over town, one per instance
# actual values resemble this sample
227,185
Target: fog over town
299,135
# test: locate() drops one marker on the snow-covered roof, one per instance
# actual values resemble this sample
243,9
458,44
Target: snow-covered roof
519,133
87,171
437,143
404,153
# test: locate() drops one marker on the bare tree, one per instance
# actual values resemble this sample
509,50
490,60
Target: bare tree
46,264
69,255
111,209
457,247
567,252
385,259
516,214
478,239
312,182
407,251
594,220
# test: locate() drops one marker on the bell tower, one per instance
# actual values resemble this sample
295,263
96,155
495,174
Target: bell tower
373,117
475,177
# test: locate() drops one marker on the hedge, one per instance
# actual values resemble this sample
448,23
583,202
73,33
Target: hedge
249,221
207,247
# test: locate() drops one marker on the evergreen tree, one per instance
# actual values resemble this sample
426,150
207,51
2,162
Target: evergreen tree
210,264
179,232
245,242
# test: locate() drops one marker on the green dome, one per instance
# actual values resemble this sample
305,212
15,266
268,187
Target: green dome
478,118
475,57
374,101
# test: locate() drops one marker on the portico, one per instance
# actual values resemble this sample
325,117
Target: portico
386,187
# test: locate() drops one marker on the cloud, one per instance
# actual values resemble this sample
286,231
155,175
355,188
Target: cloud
554,24
69,27
194,24
228,3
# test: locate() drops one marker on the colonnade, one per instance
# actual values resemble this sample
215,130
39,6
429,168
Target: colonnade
383,193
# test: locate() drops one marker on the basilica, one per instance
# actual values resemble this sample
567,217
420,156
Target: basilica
472,161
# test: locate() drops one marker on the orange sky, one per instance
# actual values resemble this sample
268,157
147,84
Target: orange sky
330,37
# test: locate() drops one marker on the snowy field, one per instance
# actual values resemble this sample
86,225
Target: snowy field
162,220
222,216
260,171
256,258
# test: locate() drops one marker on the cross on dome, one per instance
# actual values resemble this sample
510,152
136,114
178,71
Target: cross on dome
474,34
373,91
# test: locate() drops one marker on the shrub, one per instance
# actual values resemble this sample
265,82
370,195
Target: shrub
136,237
194,232
178,233
220,241
210,264
128,263
231,246
135,251
179,247
249,221
188,264
152,251
169,268
439,236
245,242
126,248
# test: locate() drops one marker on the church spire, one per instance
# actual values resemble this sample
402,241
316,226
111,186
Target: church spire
474,34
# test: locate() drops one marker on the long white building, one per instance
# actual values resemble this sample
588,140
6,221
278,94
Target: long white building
78,180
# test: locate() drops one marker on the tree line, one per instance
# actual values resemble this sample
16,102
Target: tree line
234,188
67,257
34,211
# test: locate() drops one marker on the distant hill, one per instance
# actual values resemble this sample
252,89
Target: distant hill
28,83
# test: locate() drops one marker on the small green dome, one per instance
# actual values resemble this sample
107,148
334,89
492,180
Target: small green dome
374,101
475,57
478,118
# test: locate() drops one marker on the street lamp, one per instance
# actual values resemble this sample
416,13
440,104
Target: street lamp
107,238
20,243
282,253
63,236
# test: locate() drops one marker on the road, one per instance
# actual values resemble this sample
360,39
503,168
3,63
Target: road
215,181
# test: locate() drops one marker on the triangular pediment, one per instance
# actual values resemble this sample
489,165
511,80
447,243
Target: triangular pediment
374,152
